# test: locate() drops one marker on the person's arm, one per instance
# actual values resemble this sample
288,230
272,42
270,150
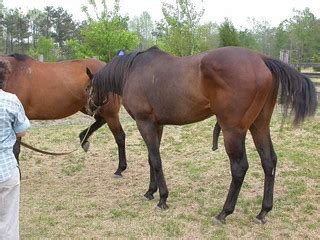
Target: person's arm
21,123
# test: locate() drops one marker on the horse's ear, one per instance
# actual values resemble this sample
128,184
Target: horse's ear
90,75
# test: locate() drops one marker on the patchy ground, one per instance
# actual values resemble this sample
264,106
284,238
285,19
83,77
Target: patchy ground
77,197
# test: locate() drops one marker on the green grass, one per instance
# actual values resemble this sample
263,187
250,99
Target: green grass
77,197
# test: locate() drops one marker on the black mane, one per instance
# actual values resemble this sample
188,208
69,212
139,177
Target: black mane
3,73
20,57
112,77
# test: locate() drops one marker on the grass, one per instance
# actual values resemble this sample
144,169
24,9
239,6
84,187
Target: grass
77,197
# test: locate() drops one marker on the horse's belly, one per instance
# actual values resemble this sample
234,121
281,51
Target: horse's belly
184,116
52,112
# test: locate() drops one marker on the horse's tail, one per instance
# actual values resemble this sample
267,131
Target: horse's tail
3,73
297,91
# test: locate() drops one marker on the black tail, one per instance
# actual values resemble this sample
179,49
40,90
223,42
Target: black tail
297,91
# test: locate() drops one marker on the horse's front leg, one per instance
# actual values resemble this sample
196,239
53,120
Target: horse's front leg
153,187
85,134
120,137
235,147
151,134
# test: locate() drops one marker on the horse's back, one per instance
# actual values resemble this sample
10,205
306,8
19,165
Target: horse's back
49,90
166,80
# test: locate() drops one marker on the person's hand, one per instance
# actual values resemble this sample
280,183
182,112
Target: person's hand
21,134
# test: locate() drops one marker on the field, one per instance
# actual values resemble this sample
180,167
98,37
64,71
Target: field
77,197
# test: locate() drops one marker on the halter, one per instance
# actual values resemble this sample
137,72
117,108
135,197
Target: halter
97,107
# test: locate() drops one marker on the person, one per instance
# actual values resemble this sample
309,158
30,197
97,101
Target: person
13,124
121,52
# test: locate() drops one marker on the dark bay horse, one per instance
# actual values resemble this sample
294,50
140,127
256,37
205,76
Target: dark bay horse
57,90
237,85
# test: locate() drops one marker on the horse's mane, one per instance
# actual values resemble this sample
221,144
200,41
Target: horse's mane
20,57
3,73
112,77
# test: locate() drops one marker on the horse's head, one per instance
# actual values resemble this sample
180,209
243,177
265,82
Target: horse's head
94,102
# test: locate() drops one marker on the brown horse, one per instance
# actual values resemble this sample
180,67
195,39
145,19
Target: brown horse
237,85
57,90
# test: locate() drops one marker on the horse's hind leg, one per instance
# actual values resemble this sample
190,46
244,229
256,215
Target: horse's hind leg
260,131
234,141
262,140
215,136
85,134
120,137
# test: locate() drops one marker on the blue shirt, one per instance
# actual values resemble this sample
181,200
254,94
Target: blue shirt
12,120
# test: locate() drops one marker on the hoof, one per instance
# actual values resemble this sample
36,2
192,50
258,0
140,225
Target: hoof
214,148
148,196
162,206
218,222
117,175
86,146
260,221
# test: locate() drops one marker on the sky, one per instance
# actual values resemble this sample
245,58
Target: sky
274,11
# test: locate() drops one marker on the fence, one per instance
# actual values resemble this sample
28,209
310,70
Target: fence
314,76
306,65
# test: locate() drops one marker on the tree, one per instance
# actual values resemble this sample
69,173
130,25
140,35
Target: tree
2,40
16,28
178,31
105,33
36,17
304,36
228,34
281,38
208,36
144,27
45,47
22,32
64,26
247,39
55,23
46,24
264,35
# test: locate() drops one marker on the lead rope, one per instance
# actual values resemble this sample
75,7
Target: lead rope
49,153
54,153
